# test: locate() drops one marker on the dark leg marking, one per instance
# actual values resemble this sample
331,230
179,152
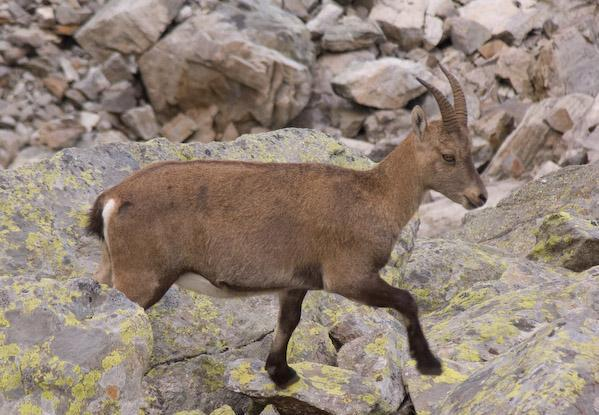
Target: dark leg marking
377,293
290,311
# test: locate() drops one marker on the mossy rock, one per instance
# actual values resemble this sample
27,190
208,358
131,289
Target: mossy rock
511,224
320,389
70,348
566,240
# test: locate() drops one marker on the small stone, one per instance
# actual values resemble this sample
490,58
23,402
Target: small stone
467,35
270,410
69,71
88,120
93,84
326,18
492,48
142,121
546,168
351,33
110,136
10,143
204,119
72,16
401,21
58,134
117,69
433,31
494,127
514,65
119,97
560,120
45,16
230,133
179,128
56,84
75,96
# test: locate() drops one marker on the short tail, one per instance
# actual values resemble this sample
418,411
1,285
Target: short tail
95,223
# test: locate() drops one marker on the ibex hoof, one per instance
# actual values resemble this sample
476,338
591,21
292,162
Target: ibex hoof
429,366
282,376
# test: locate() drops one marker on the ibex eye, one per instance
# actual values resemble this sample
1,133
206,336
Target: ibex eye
449,158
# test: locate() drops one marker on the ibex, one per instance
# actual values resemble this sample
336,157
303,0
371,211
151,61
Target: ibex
228,228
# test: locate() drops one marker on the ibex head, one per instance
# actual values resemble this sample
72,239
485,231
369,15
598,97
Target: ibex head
443,147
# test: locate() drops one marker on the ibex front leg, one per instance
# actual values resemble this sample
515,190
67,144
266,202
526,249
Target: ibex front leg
374,291
290,311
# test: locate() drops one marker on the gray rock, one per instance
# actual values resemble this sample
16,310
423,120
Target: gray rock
179,128
59,134
116,68
529,141
68,15
10,143
494,127
326,17
142,121
515,65
119,98
236,56
467,35
351,33
567,64
318,391
93,84
401,20
387,83
127,26
567,240
70,347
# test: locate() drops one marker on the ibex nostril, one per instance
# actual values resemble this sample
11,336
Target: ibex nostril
483,198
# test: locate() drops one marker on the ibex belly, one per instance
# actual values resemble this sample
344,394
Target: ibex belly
201,285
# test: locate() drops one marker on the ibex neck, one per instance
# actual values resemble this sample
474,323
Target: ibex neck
402,180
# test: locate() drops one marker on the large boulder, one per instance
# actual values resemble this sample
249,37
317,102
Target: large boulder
512,223
249,58
127,26
70,348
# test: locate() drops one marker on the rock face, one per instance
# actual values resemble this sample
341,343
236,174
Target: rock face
70,348
235,58
129,27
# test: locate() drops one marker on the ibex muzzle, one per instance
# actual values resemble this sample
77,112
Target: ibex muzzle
226,228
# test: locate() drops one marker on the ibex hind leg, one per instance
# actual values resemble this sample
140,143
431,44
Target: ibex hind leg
374,291
104,273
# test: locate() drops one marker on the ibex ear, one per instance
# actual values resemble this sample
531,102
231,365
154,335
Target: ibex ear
419,121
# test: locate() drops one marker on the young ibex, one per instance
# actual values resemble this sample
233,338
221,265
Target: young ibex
227,228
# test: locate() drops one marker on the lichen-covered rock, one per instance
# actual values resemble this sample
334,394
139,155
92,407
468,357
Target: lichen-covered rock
486,321
70,348
553,372
567,240
378,357
320,390
310,342
511,224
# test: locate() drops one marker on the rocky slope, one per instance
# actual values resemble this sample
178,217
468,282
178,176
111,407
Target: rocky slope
515,334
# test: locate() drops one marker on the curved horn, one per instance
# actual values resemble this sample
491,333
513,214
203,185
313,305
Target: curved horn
459,99
447,113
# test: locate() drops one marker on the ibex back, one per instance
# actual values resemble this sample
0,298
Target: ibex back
227,228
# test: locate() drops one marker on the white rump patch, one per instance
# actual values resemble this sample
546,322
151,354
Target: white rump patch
199,284
106,214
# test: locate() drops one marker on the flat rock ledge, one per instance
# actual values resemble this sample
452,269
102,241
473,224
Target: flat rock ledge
321,389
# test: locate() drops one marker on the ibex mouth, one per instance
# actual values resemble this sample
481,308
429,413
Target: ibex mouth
470,205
